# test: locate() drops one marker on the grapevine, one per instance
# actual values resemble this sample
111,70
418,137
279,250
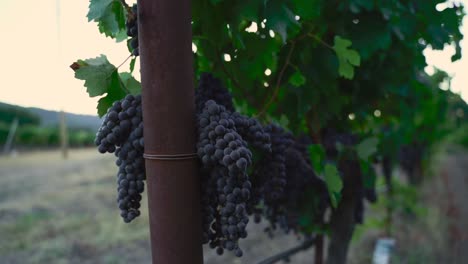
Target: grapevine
132,30
311,147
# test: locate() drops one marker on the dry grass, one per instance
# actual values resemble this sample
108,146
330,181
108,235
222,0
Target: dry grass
63,211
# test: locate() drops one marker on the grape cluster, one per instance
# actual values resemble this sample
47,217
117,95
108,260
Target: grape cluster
410,157
354,179
281,179
387,171
122,133
370,194
225,158
211,88
132,30
330,140
298,165
350,170
252,131
353,187
271,170
131,175
301,144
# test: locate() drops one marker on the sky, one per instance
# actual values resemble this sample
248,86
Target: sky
39,44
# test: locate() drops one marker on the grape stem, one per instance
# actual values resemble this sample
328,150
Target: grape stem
306,244
124,61
125,5
319,40
313,125
223,67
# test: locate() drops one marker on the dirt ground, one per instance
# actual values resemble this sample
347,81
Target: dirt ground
63,211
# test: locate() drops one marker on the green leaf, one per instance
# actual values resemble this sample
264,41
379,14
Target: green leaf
97,74
214,2
307,9
116,91
97,9
260,54
347,58
368,174
281,19
316,156
373,35
356,5
367,148
297,79
102,77
283,121
334,183
131,84
132,64
110,16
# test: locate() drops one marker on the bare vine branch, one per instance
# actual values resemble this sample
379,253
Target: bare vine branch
278,81
225,70
313,125
130,14
125,5
306,244
320,40
124,61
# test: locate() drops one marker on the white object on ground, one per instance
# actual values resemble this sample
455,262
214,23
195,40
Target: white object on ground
383,250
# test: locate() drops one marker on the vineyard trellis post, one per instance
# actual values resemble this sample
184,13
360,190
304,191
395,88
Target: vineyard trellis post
63,134
165,40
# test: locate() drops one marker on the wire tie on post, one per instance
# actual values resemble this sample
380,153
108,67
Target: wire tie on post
170,156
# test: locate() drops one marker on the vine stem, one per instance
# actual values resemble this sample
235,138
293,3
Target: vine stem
130,14
320,40
313,125
308,243
117,70
124,61
125,4
225,70
278,81
319,250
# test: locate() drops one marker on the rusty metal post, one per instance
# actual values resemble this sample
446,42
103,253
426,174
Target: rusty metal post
165,41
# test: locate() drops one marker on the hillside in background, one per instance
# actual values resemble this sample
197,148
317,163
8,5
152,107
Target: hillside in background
50,118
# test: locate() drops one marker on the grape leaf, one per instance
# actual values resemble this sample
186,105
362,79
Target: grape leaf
131,84
334,183
368,174
356,5
96,73
297,79
102,77
283,121
132,64
347,58
214,2
367,148
316,156
372,35
281,19
307,9
97,9
115,91
110,16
